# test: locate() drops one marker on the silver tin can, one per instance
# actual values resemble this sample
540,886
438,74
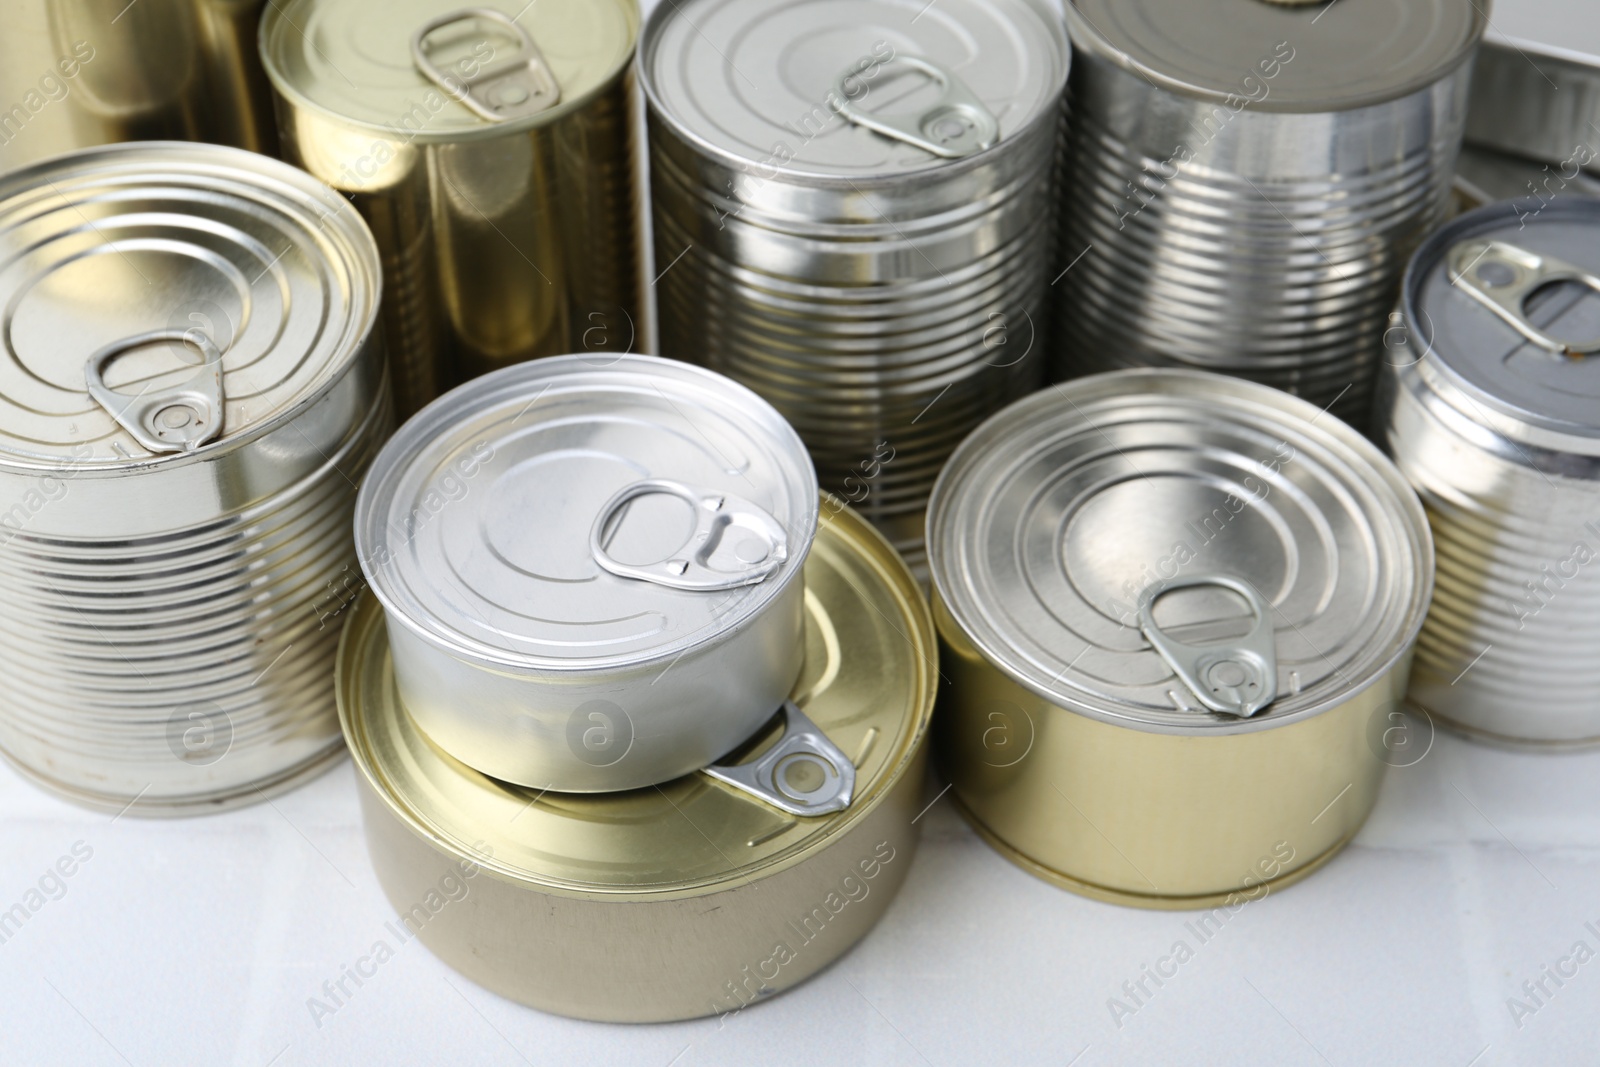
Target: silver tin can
1536,89
1246,179
591,574
1177,611
850,207
1491,407
1485,175
79,73
192,385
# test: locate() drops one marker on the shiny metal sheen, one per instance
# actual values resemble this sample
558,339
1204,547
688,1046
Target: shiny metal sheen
850,204
1198,502
572,903
522,655
803,773
1536,89
1484,175
1244,183
1500,436
168,643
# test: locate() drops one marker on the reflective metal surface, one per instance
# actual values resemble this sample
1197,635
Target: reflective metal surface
168,640
850,203
78,73
1500,436
541,631
1249,208
571,903
1278,557
1536,90
503,238
1484,176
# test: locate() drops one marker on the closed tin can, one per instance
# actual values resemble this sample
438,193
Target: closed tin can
1484,175
192,385
1177,611
492,156
849,210
689,899
1491,407
79,73
1246,179
1536,91
592,574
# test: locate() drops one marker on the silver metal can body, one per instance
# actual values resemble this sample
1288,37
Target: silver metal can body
172,629
1536,88
1500,437
884,298
1251,219
591,574
79,73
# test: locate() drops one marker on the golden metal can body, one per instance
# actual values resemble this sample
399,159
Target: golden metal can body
679,900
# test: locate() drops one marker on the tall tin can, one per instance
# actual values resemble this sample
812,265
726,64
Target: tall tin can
690,899
191,385
1178,611
493,158
1491,406
591,574
850,207
79,73
1246,179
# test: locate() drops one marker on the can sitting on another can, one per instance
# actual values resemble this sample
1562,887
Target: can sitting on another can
191,385
492,156
1178,612
686,900
1491,407
592,574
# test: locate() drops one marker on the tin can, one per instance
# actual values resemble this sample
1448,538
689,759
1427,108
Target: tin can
493,158
79,73
861,237
1491,407
1177,611
1484,176
690,899
1246,180
1536,91
192,385
592,574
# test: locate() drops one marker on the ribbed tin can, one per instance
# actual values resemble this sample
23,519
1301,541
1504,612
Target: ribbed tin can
1178,611
1491,406
850,208
494,160
1536,87
1246,180
592,574
79,73
685,900
191,385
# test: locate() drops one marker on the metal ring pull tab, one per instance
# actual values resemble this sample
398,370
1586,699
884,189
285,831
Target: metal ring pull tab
516,88
179,419
1234,679
803,773
957,125
1502,276
762,549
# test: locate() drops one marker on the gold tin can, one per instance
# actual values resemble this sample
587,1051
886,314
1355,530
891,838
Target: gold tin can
79,73
1178,611
493,158
680,900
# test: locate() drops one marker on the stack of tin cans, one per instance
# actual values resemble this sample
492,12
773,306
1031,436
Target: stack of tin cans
850,209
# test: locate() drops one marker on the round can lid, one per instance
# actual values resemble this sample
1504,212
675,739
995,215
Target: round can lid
1057,520
354,60
480,524
127,250
1479,287
1284,55
756,80
868,684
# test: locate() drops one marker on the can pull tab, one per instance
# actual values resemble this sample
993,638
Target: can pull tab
179,419
762,545
957,125
1233,679
803,773
515,88
1502,276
